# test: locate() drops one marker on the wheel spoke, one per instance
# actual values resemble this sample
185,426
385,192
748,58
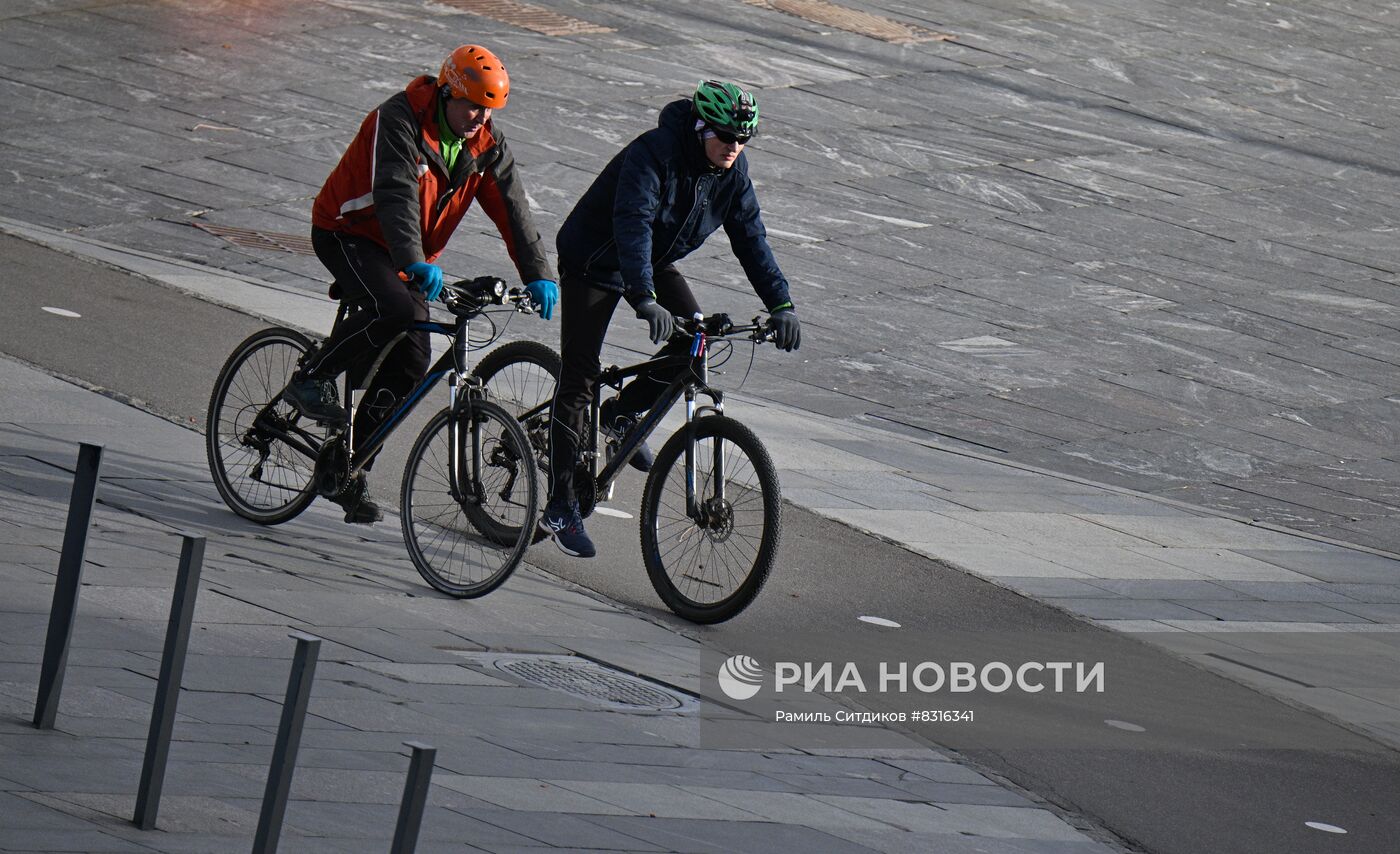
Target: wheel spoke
464,548
707,568
253,376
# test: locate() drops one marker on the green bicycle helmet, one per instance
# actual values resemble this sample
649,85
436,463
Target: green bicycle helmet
726,108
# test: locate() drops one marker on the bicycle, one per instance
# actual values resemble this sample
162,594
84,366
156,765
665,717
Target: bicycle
469,489
711,509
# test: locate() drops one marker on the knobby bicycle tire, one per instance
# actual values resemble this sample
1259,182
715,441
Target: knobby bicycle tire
708,573
458,546
520,376
272,487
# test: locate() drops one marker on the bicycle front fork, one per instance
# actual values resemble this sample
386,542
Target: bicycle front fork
464,456
692,412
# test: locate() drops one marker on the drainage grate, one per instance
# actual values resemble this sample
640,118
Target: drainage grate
853,20
294,243
527,16
587,679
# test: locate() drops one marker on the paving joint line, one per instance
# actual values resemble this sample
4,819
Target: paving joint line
1260,670
1159,499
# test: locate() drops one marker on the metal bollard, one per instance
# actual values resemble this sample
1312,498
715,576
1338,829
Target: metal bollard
67,584
284,754
415,797
172,668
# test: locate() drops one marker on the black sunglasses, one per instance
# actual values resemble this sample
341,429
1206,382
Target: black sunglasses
729,138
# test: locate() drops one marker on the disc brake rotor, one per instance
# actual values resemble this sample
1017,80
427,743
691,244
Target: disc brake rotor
719,519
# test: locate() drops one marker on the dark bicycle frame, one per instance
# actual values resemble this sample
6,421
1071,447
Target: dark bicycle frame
454,357
691,382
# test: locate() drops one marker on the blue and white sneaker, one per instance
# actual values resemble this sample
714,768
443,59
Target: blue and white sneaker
565,526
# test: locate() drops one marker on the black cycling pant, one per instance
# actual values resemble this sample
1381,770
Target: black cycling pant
387,306
586,309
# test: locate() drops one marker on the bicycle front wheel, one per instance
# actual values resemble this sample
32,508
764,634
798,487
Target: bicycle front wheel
469,501
708,563
262,453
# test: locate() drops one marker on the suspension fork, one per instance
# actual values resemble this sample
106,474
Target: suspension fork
464,462
464,483
692,505
693,412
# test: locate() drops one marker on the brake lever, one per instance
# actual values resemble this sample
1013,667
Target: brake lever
521,301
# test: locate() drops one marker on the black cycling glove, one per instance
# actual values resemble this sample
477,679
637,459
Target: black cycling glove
787,332
659,319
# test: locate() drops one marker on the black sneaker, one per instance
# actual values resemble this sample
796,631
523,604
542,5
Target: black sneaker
316,399
360,508
615,426
565,525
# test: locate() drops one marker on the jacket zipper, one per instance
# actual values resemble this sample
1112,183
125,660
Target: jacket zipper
694,205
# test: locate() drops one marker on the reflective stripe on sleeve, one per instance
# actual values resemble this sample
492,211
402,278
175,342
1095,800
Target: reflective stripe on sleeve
357,204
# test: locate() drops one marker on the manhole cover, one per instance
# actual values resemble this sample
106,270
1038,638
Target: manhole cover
274,240
588,679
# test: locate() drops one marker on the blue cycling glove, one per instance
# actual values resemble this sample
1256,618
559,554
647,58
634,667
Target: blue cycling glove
428,278
545,294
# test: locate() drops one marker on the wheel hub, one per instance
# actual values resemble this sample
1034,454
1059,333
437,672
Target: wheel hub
508,460
717,519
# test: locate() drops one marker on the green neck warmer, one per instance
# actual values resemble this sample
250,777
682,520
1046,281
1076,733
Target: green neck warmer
450,142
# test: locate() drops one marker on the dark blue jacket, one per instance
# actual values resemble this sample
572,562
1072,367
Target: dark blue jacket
655,203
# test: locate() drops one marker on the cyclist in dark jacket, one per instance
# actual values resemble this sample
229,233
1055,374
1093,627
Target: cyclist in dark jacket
653,204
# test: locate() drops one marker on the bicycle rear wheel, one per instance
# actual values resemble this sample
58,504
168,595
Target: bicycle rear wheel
708,567
521,376
467,527
262,453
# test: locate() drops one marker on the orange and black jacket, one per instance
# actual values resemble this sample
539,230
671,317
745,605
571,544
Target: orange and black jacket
392,186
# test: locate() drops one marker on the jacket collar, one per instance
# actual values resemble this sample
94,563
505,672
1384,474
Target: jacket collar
678,118
422,94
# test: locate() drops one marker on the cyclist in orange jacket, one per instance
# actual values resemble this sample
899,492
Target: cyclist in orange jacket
388,208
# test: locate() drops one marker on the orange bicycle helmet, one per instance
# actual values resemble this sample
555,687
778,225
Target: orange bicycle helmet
474,73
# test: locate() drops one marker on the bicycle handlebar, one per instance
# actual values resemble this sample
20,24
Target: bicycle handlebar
469,297
721,326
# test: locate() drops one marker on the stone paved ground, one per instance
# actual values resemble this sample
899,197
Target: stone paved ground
519,767
1257,604
1147,243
